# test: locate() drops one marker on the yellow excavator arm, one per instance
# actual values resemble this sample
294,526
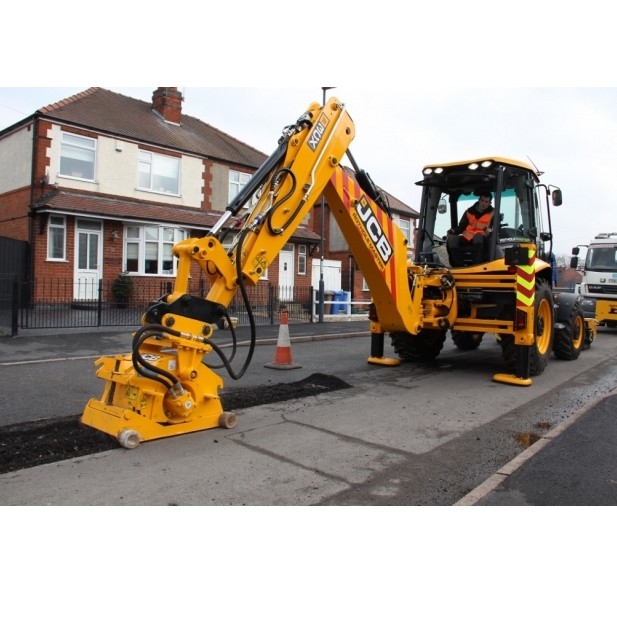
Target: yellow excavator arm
164,387
295,177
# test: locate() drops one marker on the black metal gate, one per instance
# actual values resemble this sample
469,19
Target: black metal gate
13,270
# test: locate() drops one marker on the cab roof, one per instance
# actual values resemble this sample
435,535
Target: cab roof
495,159
471,174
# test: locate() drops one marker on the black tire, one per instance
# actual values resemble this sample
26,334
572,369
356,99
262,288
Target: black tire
569,340
543,328
466,341
418,347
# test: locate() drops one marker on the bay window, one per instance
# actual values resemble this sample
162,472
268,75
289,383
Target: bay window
148,249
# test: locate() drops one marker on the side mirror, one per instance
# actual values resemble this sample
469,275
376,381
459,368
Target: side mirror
575,250
574,263
442,207
557,197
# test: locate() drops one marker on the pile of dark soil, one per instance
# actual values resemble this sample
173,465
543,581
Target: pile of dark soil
56,439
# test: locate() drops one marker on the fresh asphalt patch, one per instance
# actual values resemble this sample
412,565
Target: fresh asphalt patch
30,444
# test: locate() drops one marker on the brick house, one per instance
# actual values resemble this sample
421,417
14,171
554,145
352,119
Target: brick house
101,183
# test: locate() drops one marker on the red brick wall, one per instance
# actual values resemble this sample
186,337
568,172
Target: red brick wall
207,180
167,101
42,161
14,218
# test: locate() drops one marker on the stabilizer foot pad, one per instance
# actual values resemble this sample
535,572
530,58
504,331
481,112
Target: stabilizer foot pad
512,380
383,361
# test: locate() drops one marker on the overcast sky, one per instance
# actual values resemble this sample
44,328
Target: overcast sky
568,133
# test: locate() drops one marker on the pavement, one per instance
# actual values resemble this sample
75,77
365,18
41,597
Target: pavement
574,464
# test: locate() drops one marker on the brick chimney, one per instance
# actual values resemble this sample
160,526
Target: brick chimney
168,103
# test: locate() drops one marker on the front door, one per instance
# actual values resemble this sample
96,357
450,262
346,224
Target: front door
286,273
88,254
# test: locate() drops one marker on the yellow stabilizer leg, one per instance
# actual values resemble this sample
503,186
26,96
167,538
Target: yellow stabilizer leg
381,361
512,380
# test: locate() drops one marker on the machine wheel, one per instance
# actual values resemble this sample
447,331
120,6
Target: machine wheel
543,329
466,341
129,439
423,347
227,419
569,340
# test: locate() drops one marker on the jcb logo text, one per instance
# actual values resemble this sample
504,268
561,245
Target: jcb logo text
374,230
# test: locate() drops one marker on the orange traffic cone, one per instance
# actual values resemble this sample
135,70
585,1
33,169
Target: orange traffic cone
282,355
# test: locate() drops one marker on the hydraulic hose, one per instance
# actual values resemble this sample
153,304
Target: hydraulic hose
276,178
142,366
234,346
249,312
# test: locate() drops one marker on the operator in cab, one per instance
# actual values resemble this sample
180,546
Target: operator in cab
471,231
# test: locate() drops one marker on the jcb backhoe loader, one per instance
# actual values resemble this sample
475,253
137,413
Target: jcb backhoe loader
164,386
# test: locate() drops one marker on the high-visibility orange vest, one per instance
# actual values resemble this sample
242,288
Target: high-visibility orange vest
477,224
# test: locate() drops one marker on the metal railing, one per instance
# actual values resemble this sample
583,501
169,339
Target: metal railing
61,303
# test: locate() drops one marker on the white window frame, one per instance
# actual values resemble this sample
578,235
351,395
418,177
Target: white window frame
143,241
405,226
237,181
56,223
82,149
147,165
302,259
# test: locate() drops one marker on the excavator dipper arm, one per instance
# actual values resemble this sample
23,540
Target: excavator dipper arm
164,387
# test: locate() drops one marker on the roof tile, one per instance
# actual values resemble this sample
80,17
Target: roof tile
123,116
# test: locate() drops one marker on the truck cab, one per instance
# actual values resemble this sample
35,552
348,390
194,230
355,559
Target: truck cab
599,284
